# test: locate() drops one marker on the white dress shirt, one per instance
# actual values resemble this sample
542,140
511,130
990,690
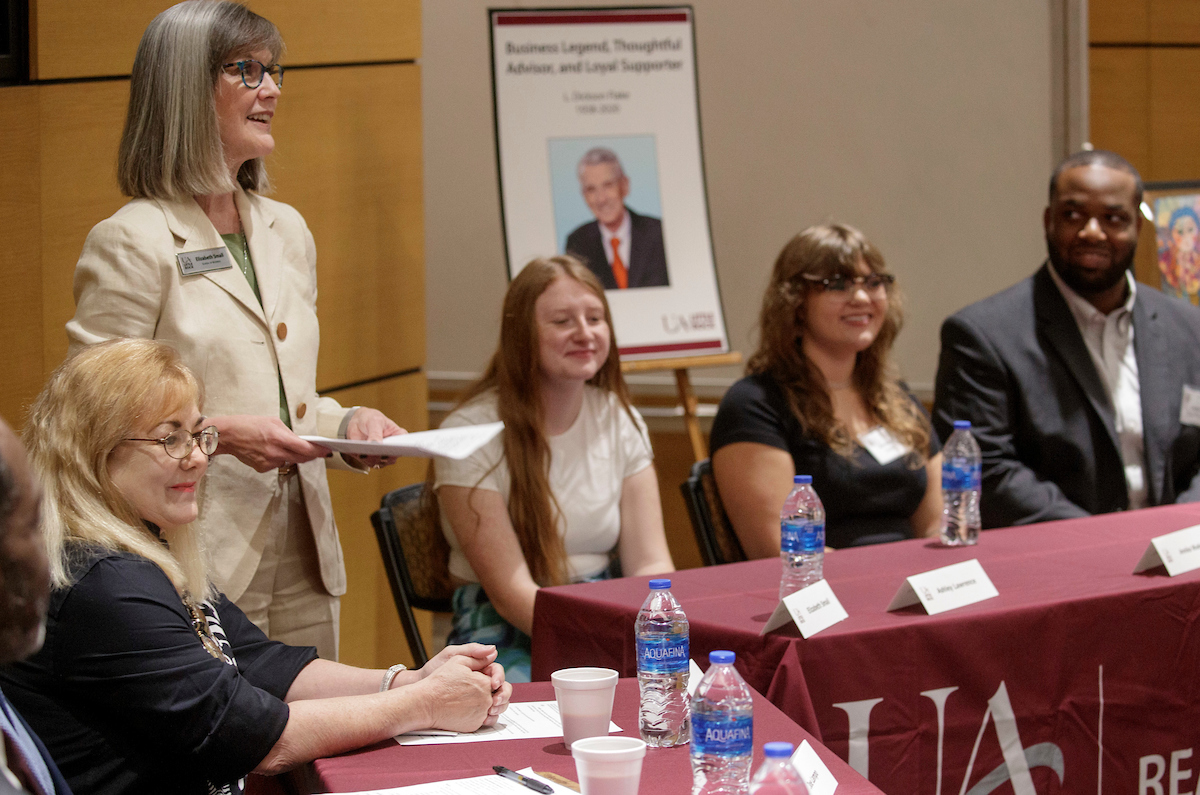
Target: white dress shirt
1109,340
623,233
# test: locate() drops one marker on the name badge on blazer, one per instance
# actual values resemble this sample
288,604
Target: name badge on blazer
205,261
1189,408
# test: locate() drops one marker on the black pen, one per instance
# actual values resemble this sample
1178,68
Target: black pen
512,775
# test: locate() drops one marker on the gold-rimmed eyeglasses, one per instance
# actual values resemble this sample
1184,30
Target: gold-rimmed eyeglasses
179,444
252,72
874,284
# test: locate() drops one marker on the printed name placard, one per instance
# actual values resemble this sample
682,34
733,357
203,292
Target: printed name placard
818,778
694,677
939,590
812,609
1178,551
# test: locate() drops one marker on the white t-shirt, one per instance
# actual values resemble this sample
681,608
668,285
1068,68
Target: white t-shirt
588,465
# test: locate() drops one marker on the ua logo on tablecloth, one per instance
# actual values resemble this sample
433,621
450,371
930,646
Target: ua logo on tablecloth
1017,759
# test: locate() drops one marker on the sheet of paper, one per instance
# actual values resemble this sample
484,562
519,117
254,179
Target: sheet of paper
694,677
1178,552
522,720
455,443
939,590
818,778
477,785
812,609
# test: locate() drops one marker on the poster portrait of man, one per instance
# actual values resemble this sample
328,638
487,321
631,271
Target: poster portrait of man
623,247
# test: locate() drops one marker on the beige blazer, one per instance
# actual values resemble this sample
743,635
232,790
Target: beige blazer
129,283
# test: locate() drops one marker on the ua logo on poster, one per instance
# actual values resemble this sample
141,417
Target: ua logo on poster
1017,759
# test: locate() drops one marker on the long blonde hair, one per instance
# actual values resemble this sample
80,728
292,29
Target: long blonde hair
514,376
823,252
92,401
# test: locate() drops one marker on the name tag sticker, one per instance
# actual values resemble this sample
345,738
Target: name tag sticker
1189,408
939,590
1178,551
818,778
204,261
885,447
812,609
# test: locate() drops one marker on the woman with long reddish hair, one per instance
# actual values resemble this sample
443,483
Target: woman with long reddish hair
568,490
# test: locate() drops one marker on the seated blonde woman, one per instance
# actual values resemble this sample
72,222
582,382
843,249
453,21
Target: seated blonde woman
821,398
568,490
150,680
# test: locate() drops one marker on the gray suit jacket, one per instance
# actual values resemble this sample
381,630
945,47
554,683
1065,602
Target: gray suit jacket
1016,366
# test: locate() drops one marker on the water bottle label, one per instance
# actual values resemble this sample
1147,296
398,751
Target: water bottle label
721,736
960,474
663,655
802,537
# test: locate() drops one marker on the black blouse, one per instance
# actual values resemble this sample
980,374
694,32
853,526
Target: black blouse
865,502
128,700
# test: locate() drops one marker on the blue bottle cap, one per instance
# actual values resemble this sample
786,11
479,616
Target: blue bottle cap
802,479
777,750
722,657
660,585
961,425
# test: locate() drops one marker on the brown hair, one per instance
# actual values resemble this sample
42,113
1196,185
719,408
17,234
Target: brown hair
514,375
823,252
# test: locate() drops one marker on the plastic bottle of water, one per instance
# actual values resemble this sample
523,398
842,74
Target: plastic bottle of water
776,775
662,661
722,730
962,468
801,537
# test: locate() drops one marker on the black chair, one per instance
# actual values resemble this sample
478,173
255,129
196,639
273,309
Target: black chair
714,535
416,557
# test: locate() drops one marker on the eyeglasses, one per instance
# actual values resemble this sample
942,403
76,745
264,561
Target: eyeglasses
876,283
180,443
252,72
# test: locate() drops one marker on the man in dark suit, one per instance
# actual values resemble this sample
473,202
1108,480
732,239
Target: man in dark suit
1082,387
623,249
24,594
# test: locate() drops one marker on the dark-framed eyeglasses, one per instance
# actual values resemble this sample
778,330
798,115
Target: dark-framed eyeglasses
874,284
252,72
179,444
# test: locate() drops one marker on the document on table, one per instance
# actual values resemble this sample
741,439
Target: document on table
457,443
523,720
478,785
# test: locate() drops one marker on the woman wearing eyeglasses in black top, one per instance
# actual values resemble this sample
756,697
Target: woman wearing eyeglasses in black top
821,398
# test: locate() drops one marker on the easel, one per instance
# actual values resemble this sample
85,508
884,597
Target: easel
683,383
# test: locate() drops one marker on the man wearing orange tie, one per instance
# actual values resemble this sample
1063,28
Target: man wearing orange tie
624,249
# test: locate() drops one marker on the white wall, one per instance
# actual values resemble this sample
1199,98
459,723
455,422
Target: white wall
925,123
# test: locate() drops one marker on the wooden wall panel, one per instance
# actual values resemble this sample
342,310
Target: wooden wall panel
1174,114
371,635
1120,103
20,271
88,38
1174,21
1118,20
79,189
348,157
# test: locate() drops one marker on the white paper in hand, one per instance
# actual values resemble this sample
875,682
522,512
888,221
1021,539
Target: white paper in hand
456,443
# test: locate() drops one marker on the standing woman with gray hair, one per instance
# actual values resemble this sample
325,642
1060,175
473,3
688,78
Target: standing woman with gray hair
201,260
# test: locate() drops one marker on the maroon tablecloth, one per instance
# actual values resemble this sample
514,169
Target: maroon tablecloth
665,771
1099,668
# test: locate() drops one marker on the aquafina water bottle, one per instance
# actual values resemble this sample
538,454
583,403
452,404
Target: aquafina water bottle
962,468
777,775
661,629
722,730
801,537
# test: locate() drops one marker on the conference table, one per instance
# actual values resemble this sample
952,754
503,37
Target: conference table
665,771
1079,677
